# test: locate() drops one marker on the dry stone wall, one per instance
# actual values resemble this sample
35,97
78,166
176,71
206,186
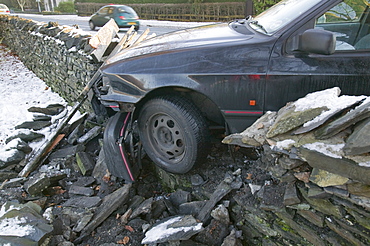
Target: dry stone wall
317,149
59,55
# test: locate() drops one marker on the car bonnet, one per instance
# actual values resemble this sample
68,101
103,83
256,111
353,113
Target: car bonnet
187,38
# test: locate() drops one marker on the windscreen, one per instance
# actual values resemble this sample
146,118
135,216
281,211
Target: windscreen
280,15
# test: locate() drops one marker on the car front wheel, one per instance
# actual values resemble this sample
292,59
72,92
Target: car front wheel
174,133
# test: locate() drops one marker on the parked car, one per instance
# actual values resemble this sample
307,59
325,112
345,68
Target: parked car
4,10
123,15
181,86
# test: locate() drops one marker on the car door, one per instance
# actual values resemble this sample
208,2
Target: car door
293,74
104,15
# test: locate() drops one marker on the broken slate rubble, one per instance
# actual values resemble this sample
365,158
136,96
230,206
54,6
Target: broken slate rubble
224,208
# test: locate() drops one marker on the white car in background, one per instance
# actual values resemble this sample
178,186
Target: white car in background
4,10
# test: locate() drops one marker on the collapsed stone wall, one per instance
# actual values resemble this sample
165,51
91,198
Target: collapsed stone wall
319,159
59,55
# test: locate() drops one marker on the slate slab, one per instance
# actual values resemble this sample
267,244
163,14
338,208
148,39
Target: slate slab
352,117
340,166
34,125
358,142
83,202
254,135
26,135
12,156
36,184
292,119
52,109
172,229
83,191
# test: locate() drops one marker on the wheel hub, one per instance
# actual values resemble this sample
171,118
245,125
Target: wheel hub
167,136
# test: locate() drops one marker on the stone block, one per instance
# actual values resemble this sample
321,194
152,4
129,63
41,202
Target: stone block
10,157
351,118
83,202
358,142
323,205
78,190
85,162
172,229
359,189
36,184
288,119
291,195
85,181
34,125
179,197
324,178
192,208
317,192
67,151
340,166
312,217
260,224
95,131
52,109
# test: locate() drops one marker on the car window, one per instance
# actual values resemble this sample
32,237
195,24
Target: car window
280,15
349,22
2,6
126,9
110,11
104,10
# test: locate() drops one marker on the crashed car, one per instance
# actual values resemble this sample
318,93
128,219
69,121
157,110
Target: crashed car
168,94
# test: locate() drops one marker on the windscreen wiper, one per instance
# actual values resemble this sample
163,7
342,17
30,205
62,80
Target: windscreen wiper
258,25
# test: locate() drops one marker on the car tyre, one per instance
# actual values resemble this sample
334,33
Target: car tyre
92,25
174,133
137,28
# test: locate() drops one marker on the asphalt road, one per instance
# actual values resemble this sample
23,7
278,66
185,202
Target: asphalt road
157,27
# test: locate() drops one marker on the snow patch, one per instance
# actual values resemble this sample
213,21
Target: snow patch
285,144
332,150
162,231
327,98
14,227
20,90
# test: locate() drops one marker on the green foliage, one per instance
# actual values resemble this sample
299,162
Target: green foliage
262,5
259,5
66,7
128,2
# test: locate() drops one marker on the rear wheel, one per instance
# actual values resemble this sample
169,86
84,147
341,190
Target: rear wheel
174,133
92,25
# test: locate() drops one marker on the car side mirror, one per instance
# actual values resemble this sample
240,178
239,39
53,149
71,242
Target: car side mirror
317,41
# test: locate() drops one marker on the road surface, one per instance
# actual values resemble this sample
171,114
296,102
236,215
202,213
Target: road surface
157,27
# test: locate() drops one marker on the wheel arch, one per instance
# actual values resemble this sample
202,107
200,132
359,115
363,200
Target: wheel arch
207,107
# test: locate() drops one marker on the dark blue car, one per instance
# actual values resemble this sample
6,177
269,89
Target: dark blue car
180,87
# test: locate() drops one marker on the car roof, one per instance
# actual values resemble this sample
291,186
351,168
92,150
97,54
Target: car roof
3,6
115,5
